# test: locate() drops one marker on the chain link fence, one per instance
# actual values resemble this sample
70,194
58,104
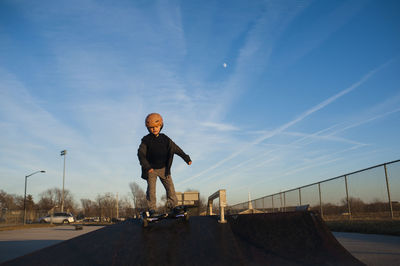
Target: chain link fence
371,193
14,217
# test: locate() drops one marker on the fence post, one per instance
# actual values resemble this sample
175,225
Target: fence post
320,200
263,199
300,196
273,209
388,191
284,201
347,197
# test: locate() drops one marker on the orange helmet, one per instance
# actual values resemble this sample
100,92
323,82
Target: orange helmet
154,120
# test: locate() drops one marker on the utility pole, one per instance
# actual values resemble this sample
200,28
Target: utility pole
117,207
63,153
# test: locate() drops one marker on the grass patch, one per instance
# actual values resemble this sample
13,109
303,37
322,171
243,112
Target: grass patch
26,226
366,227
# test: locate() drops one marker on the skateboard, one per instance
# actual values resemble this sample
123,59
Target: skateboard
147,219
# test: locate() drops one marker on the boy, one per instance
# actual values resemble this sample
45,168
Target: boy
156,152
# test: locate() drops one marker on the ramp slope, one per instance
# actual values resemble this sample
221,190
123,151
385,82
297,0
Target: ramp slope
298,238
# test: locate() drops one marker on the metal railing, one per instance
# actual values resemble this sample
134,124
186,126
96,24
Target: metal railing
370,193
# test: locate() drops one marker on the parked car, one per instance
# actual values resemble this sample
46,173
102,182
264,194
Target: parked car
58,218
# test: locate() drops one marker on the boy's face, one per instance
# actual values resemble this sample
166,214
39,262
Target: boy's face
155,130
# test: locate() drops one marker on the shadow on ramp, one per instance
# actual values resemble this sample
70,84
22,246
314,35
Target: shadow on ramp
298,238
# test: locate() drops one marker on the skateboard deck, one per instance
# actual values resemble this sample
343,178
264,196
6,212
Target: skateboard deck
147,219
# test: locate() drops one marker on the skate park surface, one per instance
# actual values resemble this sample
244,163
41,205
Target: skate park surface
298,238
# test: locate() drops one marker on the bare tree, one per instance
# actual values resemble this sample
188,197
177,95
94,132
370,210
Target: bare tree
107,207
125,207
52,198
202,204
89,207
138,196
11,202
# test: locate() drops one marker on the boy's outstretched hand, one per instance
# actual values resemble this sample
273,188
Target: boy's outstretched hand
189,163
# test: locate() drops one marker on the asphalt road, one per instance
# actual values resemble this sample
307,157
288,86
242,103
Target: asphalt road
15,243
296,238
372,249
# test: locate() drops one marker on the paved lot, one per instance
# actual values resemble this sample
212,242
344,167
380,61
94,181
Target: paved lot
372,249
295,238
15,243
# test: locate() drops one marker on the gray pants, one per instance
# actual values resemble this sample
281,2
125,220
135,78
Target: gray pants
172,200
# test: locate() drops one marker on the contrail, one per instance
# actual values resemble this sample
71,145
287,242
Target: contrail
365,121
294,121
357,144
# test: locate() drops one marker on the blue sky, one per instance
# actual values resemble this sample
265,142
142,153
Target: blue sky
263,95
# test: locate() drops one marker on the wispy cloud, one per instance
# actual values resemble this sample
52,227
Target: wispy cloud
100,121
275,153
253,57
292,122
219,126
363,122
94,70
317,33
320,160
314,137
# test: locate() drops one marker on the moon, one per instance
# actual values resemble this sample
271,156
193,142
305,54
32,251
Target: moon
225,65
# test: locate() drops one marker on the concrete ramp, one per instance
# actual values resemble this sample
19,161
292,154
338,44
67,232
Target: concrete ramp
298,238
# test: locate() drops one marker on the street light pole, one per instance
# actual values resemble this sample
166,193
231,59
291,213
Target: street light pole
63,153
26,178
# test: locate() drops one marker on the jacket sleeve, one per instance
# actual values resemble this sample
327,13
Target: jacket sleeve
142,152
177,150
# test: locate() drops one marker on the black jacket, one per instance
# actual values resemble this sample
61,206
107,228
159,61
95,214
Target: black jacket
172,149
